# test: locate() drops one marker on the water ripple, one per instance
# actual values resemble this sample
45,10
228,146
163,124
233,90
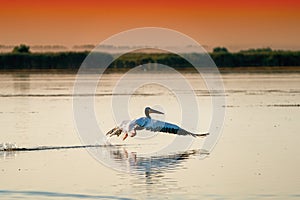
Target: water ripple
31,194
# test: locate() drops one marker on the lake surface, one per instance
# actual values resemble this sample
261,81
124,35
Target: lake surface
256,157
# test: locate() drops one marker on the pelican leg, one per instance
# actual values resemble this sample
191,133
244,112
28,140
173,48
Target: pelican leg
125,136
133,133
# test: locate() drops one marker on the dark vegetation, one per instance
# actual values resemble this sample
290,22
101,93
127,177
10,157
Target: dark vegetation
21,58
63,60
220,50
21,49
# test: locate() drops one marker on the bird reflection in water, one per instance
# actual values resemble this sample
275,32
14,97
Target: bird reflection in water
152,165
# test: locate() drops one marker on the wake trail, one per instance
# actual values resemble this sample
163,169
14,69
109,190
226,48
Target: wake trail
43,148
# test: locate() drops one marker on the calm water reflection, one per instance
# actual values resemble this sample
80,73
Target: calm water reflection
124,160
256,158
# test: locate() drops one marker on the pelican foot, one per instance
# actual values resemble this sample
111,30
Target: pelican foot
125,136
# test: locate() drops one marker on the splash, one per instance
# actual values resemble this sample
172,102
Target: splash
8,146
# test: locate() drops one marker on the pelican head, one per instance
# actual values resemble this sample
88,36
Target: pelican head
149,110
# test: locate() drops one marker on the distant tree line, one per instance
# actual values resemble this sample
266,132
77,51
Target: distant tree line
22,58
134,59
67,60
255,57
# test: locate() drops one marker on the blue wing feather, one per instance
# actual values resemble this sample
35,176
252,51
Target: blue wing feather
161,126
156,125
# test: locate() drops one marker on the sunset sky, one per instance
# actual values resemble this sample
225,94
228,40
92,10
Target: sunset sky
234,24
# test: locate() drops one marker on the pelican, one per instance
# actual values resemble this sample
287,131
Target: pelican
130,127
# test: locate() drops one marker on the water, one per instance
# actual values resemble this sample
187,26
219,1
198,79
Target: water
257,156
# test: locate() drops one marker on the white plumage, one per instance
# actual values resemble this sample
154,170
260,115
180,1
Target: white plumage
130,127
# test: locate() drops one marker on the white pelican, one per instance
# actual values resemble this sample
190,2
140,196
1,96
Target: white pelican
130,127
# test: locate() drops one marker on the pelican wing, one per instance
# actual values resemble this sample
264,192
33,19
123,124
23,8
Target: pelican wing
161,126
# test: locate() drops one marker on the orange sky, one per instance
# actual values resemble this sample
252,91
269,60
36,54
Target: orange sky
235,24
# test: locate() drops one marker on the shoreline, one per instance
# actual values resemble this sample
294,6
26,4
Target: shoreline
222,70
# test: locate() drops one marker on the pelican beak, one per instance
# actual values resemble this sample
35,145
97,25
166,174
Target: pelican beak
155,111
